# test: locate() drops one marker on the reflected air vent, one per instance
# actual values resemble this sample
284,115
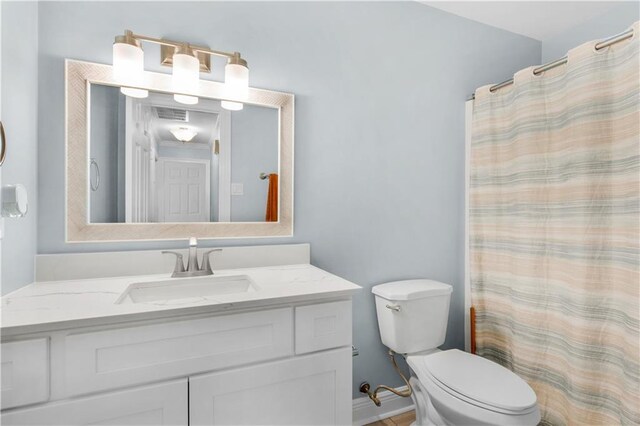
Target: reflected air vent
172,114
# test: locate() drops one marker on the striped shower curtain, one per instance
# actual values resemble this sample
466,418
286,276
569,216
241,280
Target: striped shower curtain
554,233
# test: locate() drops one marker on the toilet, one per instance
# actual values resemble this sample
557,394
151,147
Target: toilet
450,387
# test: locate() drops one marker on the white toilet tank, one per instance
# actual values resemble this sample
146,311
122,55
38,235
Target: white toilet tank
412,314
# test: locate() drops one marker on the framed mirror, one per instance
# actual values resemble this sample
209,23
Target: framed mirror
155,169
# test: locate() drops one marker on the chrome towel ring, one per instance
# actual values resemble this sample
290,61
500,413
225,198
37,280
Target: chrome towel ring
97,183
3,144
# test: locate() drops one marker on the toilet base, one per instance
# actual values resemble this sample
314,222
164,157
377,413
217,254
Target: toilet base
426,414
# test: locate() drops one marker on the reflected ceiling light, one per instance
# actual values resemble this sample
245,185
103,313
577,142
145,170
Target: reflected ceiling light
232,106
183,134
128,64
187,61
186,74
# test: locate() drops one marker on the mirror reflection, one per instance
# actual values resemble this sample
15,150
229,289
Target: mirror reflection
155,160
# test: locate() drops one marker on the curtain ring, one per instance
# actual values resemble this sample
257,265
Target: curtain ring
3,146
94,187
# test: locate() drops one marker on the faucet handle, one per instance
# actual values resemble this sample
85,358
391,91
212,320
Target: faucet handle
179,263
206,265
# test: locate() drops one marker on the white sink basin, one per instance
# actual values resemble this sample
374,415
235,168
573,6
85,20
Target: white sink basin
182,289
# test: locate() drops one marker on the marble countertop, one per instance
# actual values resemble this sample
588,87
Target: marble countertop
56,305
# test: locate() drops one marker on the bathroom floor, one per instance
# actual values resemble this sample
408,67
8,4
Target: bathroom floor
404,419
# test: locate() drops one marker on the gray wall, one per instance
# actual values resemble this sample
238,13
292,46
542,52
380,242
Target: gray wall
104,146
380,90
19,26
616,20
254,149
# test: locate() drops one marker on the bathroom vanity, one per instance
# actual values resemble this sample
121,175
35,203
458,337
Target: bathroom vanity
259,345
111,338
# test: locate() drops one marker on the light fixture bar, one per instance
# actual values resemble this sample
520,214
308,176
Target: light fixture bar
172,43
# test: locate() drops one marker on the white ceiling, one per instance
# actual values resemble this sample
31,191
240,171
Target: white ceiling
539,20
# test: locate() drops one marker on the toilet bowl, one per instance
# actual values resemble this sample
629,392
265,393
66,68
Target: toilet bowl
459,388
449,387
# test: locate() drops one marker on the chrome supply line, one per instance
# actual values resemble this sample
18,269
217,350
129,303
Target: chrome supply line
550,65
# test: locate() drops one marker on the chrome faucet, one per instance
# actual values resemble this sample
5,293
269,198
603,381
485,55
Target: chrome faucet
192,263
193,270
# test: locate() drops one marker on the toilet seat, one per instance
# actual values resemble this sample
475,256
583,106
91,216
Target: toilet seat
479,381
444,409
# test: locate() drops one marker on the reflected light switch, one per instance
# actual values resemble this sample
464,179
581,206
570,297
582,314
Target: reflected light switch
237,189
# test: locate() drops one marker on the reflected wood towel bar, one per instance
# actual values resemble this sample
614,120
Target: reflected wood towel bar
472,337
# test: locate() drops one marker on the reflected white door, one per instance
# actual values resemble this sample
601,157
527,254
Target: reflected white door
140,154
183,190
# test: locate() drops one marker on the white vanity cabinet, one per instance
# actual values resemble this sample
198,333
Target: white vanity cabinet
279,365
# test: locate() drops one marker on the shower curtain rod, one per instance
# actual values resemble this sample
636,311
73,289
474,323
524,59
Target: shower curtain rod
550,65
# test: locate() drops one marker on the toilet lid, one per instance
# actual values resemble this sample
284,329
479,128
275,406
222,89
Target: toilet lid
480,380
411,289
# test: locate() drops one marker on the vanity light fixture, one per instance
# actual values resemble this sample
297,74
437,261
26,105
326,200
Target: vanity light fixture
128,64
183,134
186,74
187,61
232,106
236,77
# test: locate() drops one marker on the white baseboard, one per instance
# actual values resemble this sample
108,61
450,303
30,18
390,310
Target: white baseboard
365,411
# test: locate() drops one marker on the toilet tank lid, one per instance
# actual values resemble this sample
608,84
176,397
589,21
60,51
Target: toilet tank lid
411,289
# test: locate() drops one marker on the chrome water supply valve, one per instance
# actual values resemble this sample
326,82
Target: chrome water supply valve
365,387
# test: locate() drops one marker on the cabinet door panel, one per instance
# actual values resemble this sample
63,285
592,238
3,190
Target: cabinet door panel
160,404
24,372
309,390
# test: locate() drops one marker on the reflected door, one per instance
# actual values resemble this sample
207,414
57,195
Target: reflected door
183,187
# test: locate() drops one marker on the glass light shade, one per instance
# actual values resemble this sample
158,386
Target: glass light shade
184,134
185,99
236,80
186,76
128,68
232,106
134,93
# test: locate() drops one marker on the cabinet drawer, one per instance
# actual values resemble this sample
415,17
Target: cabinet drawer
323,326
126,356
159,404
25,372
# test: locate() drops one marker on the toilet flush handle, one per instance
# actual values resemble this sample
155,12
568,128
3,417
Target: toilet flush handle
393,307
